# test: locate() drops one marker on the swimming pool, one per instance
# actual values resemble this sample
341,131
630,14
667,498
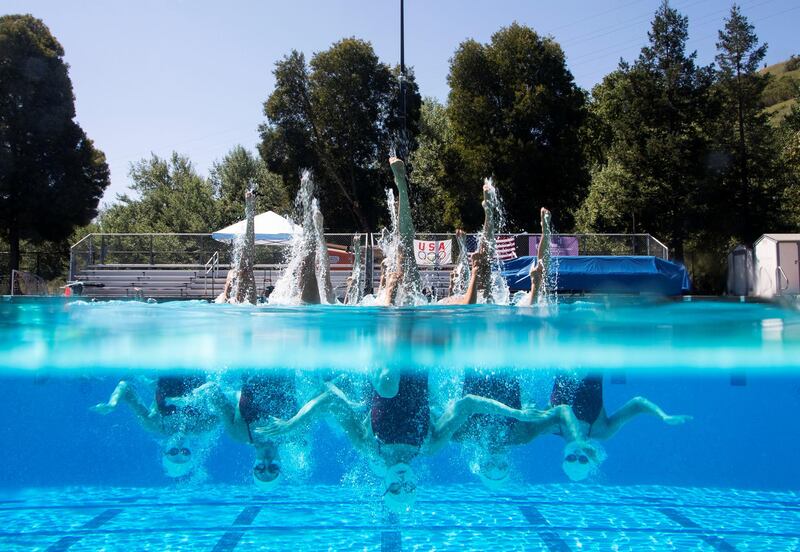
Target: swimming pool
726,480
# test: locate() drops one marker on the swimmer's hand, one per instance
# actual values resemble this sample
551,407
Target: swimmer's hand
677,419
274,428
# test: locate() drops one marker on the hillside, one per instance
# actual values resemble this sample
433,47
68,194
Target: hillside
781,93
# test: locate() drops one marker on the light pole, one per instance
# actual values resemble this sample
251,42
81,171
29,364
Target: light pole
402,75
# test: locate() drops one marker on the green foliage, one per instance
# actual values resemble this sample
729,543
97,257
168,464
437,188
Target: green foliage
235,174
433,165
654,114
51,175
172,198
779,90
793,64
516,114
338,117
744,138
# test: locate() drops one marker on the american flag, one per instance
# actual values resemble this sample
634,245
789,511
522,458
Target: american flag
506,246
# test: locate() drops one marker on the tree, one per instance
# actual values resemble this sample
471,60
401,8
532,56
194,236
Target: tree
656,113
338,117
743,133
516,115
435,171
237,172
51,175
172,198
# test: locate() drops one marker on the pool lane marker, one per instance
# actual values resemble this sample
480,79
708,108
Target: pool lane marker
551,538
718,543
230,539
391,541
64,543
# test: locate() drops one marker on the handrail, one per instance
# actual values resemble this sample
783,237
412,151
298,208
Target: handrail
779,272
212,266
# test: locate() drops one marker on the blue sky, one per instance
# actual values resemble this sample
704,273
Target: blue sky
191,76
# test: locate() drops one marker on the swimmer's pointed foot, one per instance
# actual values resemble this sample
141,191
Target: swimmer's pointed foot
677,419
102,408
545,217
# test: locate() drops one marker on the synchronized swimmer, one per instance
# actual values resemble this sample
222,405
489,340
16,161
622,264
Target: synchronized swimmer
392,424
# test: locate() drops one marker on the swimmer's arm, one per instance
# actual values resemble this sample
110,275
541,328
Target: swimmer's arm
458,412
606,427
349,420
308,413
226,410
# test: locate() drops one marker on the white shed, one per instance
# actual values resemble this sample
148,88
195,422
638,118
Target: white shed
776,264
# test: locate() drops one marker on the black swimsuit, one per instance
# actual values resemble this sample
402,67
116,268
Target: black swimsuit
403,419
585,396
265,396
172,387
495,429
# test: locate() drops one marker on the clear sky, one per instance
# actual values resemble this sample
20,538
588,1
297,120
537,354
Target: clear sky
191,76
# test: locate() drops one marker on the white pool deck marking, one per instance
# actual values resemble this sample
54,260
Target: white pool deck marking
551,518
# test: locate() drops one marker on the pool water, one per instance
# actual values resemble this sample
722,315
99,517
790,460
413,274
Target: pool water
726,480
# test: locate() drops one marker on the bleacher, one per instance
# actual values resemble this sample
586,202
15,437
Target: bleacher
142,266
178,281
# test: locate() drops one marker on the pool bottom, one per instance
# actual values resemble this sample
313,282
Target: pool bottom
464,517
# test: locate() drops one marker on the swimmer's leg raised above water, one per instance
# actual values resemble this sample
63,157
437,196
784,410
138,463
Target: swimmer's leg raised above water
539,270
245,277
471,296
309,288
484,269
323,268
405,224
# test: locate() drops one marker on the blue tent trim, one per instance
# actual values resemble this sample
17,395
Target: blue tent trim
606,274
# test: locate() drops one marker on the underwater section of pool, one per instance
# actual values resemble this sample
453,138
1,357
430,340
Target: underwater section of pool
726,479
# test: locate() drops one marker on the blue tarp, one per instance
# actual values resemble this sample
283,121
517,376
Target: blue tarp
606,274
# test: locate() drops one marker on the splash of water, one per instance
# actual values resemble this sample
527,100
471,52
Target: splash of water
287,288
461,272
323,269
495,287
243,284
356,289
549,295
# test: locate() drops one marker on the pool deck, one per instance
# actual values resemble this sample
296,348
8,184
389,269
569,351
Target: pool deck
553,518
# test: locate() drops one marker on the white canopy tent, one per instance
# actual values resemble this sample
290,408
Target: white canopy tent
270,229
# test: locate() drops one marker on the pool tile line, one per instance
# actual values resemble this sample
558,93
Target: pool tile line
230,539
391,541
102,518
550,538
64,543
429,528
771,506
715,541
